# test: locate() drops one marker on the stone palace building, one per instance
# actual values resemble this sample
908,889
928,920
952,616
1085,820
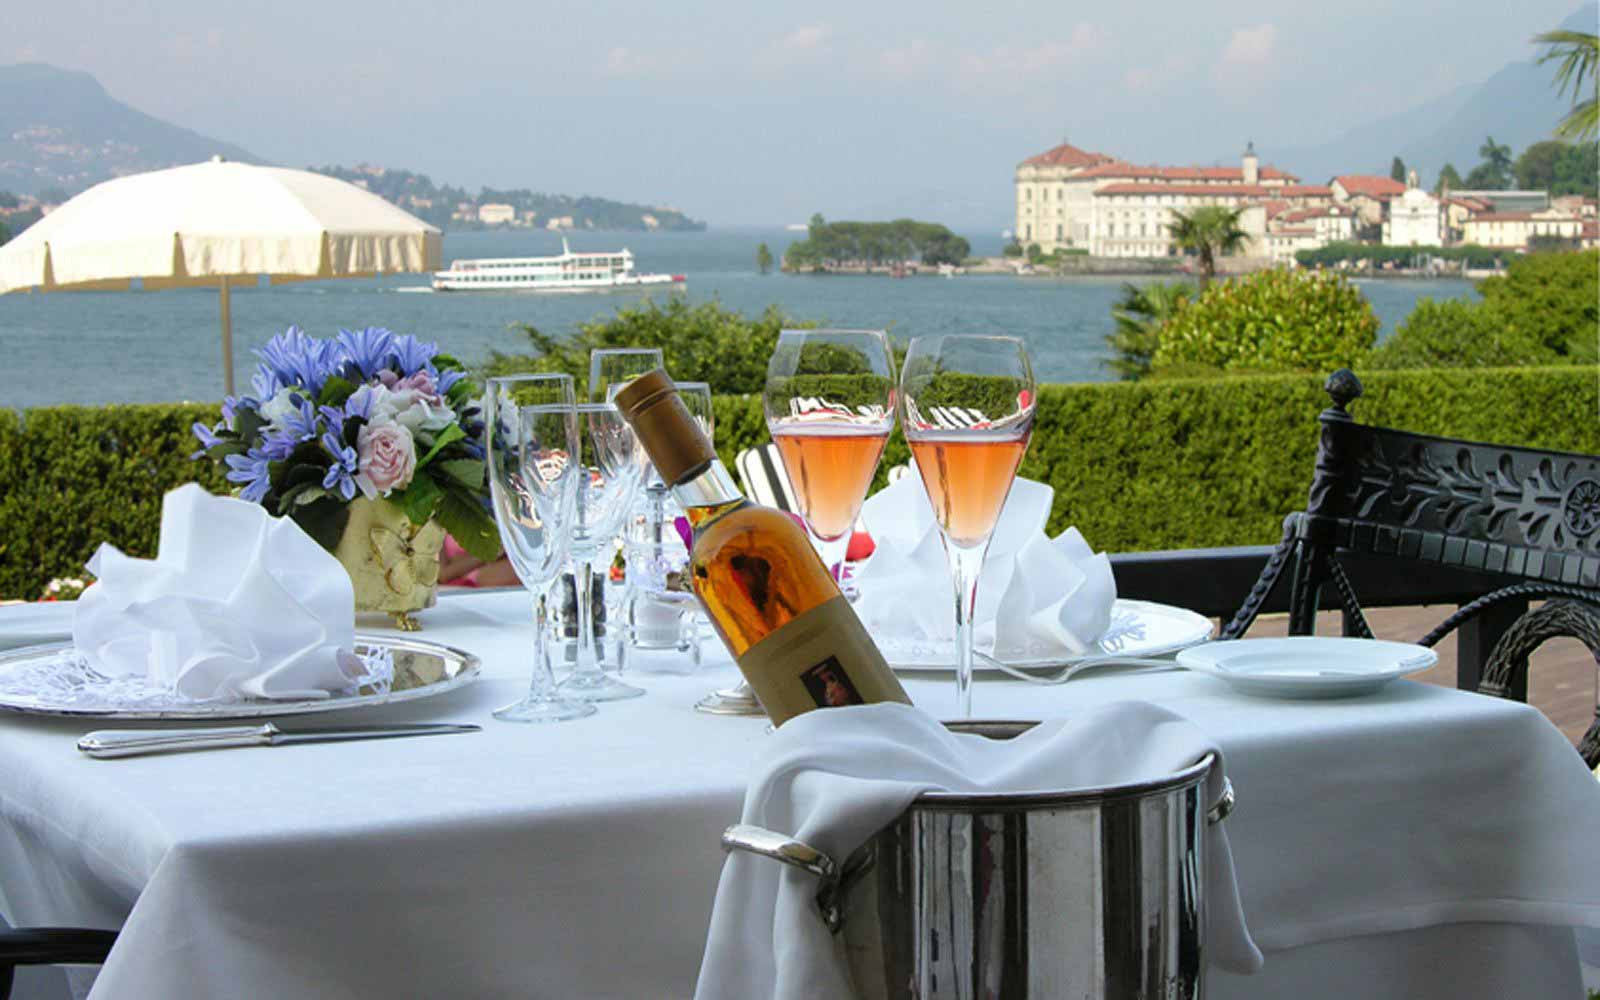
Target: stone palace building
1071,199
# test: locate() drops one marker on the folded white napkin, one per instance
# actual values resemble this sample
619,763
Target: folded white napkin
832,779
1038,597
238,604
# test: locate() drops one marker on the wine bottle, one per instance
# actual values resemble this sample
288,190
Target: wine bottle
775,606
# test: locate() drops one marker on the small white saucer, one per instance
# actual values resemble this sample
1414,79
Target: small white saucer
1307,666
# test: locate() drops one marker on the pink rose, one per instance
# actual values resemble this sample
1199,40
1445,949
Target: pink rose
421,384
388,459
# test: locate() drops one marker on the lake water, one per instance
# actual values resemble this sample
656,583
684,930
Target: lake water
98,347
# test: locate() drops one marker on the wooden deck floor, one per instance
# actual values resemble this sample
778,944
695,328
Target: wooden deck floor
1561,683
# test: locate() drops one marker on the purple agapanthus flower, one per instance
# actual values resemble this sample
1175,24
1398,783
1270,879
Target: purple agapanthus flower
365,352
265,382
412,355
231,405
448,378
207,436
298,359
341,474
251,470
335,419
301,423
278,444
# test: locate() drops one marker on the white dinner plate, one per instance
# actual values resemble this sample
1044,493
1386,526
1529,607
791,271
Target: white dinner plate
1307,666
1138,628
420,670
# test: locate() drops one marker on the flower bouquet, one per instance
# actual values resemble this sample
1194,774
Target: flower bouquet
371,442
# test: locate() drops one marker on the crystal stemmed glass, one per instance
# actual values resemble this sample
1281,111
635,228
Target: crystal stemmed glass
610,368
531,443
829,400
608,474
967,408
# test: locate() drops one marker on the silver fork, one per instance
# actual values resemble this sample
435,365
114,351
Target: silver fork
1144,665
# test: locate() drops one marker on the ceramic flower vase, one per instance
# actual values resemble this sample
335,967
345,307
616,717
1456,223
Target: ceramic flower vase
393,563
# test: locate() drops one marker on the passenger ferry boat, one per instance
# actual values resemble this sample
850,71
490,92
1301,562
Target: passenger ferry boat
569,272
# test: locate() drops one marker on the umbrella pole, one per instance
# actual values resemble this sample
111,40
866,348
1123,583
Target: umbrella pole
227,338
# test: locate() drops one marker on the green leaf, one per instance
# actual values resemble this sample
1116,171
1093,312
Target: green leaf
324,520
419,500
466,471
450,434
461,392
222,449
470,525
247,423
335,391
448,362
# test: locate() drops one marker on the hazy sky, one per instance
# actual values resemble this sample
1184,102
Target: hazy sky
742,112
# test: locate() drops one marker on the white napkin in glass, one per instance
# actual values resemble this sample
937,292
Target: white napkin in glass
1038,597
834,778
238,604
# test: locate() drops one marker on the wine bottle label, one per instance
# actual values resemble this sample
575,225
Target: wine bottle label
822,659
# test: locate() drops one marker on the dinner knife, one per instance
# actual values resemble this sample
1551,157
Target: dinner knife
106,743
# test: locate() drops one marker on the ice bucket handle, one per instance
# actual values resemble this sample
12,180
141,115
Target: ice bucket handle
1223,806
796,854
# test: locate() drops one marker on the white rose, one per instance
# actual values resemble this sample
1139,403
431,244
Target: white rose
281,406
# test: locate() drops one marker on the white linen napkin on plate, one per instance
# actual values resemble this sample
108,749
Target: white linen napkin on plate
238,604
1038,598
834,778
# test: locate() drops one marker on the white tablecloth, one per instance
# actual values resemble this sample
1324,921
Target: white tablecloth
581,859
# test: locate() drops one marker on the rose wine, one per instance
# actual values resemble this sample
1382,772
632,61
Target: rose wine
967,479
775,606
831,469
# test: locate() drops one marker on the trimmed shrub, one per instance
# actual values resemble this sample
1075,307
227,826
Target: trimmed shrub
79,476
1545,310
1174,463
1276,320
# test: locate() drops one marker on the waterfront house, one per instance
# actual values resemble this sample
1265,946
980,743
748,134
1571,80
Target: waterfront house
1416,218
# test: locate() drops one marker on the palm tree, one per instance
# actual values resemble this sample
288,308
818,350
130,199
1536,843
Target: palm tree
1579,54
1211,231
1139,315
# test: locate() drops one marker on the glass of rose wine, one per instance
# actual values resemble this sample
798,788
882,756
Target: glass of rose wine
829,400
967,406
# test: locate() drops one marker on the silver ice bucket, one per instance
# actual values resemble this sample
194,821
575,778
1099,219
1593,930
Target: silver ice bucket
1085,894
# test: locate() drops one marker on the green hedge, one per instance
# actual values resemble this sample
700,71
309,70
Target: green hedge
1146,465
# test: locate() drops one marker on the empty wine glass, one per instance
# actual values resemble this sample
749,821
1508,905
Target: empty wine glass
967,412
531,447
609,470
829,400
610,368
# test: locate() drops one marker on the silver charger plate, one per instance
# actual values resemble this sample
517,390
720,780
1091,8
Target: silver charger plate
1138,628
421,670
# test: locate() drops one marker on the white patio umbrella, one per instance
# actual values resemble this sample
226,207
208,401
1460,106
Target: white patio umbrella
216,223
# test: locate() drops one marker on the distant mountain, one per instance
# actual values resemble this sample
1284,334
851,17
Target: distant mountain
60,129
1518,106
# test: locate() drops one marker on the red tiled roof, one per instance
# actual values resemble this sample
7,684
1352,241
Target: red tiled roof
1307,191
1236,190
1369,185
1065,155
1591,229
1120,168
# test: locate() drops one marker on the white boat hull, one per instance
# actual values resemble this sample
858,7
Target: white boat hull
567,273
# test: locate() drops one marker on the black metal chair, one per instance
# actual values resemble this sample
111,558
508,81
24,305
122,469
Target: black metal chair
1520,513
49,946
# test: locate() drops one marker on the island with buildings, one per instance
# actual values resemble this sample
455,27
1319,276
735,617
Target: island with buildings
1071,201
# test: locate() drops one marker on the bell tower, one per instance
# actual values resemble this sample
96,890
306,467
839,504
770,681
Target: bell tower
1250,167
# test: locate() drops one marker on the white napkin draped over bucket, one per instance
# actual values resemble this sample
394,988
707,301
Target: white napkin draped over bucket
1039,598
238,604
833,778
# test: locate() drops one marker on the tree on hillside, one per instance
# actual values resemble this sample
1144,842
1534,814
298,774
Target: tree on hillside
5,235
1536,168
1577,170
9,200
1448,178
1397,170
1211,231
1578,53
1494,173
763,258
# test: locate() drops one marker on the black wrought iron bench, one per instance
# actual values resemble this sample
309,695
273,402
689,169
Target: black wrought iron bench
1419,519
49,946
